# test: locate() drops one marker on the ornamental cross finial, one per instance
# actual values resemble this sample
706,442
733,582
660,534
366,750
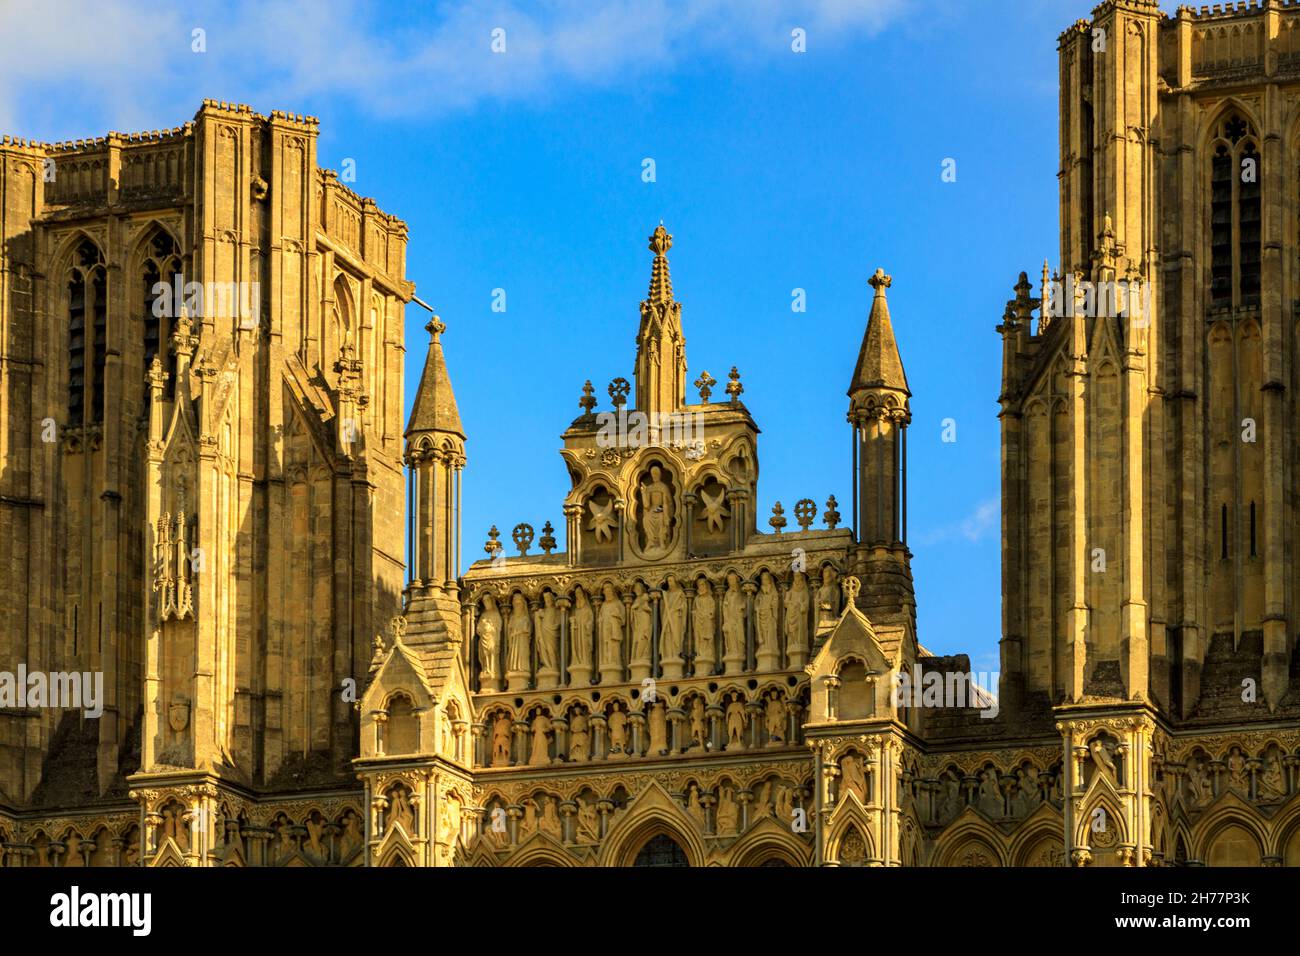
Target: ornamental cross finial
660,240
880,281
734,388
588,401
705,384
851,588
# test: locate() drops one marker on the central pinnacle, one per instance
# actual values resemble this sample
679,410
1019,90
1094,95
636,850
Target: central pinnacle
661,283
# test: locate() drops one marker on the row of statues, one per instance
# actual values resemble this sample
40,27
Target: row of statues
664,632
655,731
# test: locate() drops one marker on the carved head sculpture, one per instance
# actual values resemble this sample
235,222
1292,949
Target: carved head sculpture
639,587
489,602
704,587
672,583
766,581
517,603
800,582
580,597
733,580
828,575
548,599
608,591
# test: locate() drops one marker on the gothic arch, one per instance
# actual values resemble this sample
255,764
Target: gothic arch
970,834
652,813
768,840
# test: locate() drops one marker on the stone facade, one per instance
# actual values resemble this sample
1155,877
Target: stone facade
688,682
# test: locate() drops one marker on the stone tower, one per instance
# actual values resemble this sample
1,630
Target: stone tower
660,344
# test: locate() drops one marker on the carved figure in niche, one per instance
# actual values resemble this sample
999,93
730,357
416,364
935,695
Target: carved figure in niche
853,778
658,723
400,812
588,822
1272,782
767,619
541,729
735,723
733,622
763,803
991,795
657,512
377,654
774,718
714,511
828,595
550,822
351,838
1102,758
450,830
950,799
548,634
728,815
501,741
1199,783
1028,795
315,827
699,724
642,624
580,638
704,629
529,822
796,620
579,736
603,520
74,856
617,731
695,809
672,637
1238,777
489,640
784,804
613,620
518,663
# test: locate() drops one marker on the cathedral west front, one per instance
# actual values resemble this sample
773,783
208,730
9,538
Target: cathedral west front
212,504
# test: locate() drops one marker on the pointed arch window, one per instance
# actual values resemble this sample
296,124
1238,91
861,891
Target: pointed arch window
1235,212
160,275
87,334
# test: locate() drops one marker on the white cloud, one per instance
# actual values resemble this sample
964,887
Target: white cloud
127,61
973,528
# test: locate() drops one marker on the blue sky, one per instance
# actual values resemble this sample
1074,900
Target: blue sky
774,171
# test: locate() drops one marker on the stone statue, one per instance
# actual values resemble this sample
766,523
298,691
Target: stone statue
548,641
501,741
1238,777
763,803
990,800
351,838
735,723
796,621
602,521
1028,795
541,728
657,512
489,642
853,778
784,804
828,595
529,823
550,823
728,815
582,629
642,626
767,621
714,510
672,629
658,724
1272,782
579,736
699,724
617,731
1199,783
1102,758
449,832
315,827
774,718
400,813
588,822
613,619
518,663
695,809
704,629
733,624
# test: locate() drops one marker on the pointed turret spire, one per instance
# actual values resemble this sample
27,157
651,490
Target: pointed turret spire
435,404
879,365
660,344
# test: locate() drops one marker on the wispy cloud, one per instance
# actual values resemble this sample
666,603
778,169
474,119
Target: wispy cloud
974,527
132,60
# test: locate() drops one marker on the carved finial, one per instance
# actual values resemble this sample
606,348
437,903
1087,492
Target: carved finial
377,658
493,545
397,627
660,240
851,588
880,282
805,512
435,327
832,516
523,537
619,390
705,384
588,401
547,541
777,521
661,283
734,388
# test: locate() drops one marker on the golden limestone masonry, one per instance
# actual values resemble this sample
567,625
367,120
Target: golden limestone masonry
204,472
